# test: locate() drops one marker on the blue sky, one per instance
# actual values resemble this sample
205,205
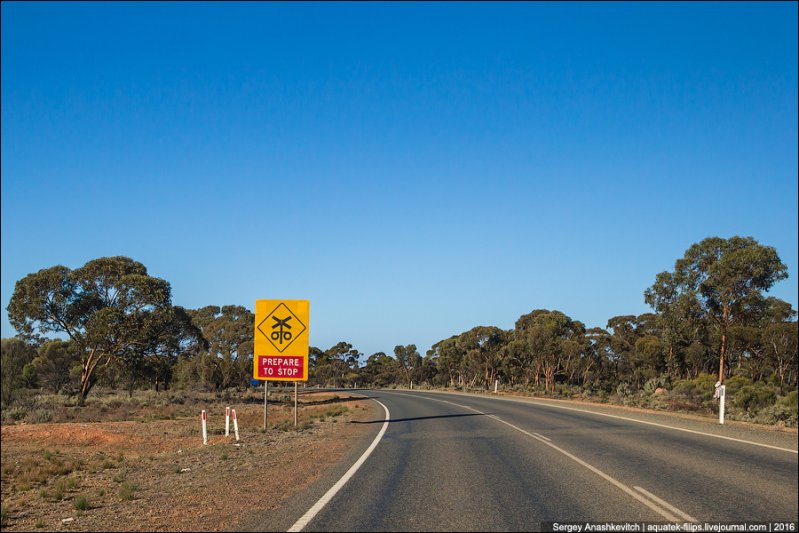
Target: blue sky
412,169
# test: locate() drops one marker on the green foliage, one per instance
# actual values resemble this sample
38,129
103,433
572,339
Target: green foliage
695,393
110,308
718,284
120,330
336,366
655,383
784,412
227,360
790,401
410,362
81,503
16,354
753,398
53,365
284,425
58,491
736,383
624,390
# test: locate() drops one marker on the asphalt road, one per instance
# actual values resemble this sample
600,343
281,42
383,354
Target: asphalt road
452,462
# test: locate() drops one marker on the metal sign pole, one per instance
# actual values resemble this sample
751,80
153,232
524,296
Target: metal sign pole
266,391
295,404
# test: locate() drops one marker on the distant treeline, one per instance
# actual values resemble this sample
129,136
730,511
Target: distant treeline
711,321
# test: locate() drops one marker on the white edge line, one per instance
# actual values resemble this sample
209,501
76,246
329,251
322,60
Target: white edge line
543,437
666,504
319,505
546,404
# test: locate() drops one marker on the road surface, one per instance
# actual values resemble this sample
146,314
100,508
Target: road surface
454,462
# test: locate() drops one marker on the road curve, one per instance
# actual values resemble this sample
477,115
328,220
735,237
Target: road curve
452,462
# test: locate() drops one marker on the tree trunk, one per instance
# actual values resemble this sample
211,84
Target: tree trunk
86,375
670,360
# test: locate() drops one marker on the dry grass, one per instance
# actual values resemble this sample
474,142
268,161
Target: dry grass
101,472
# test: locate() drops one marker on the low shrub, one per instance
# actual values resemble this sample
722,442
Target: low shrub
81,503
128,491
754,398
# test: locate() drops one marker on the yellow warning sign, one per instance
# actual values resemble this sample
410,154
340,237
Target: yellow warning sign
281,329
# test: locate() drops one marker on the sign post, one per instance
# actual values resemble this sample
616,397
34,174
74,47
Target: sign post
266,393
281,344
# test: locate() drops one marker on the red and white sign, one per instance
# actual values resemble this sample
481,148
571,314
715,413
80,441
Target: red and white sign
281,367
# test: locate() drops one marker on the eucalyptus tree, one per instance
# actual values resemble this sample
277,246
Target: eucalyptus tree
16,353
229,332
767,348
380,370
550,338
448,356
110,308
636,347
482,348
337,365
596,359
781,347
725,278
54,364
410,362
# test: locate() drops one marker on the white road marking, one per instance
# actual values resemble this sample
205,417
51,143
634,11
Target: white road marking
543,437
618,484
666,504
534,402
314,510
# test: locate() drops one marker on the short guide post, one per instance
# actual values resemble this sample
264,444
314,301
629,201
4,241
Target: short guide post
719,394
205,427
227,421
235,425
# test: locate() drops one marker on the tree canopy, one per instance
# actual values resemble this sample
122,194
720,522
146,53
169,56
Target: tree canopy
711,318
110,308
721,280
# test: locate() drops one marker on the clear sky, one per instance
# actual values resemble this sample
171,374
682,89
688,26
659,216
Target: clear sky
413,169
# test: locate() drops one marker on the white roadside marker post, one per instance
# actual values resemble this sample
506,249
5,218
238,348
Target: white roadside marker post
719,394
227,421
235,425
205,427
496,384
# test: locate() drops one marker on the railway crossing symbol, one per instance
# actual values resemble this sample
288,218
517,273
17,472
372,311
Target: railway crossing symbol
282,327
